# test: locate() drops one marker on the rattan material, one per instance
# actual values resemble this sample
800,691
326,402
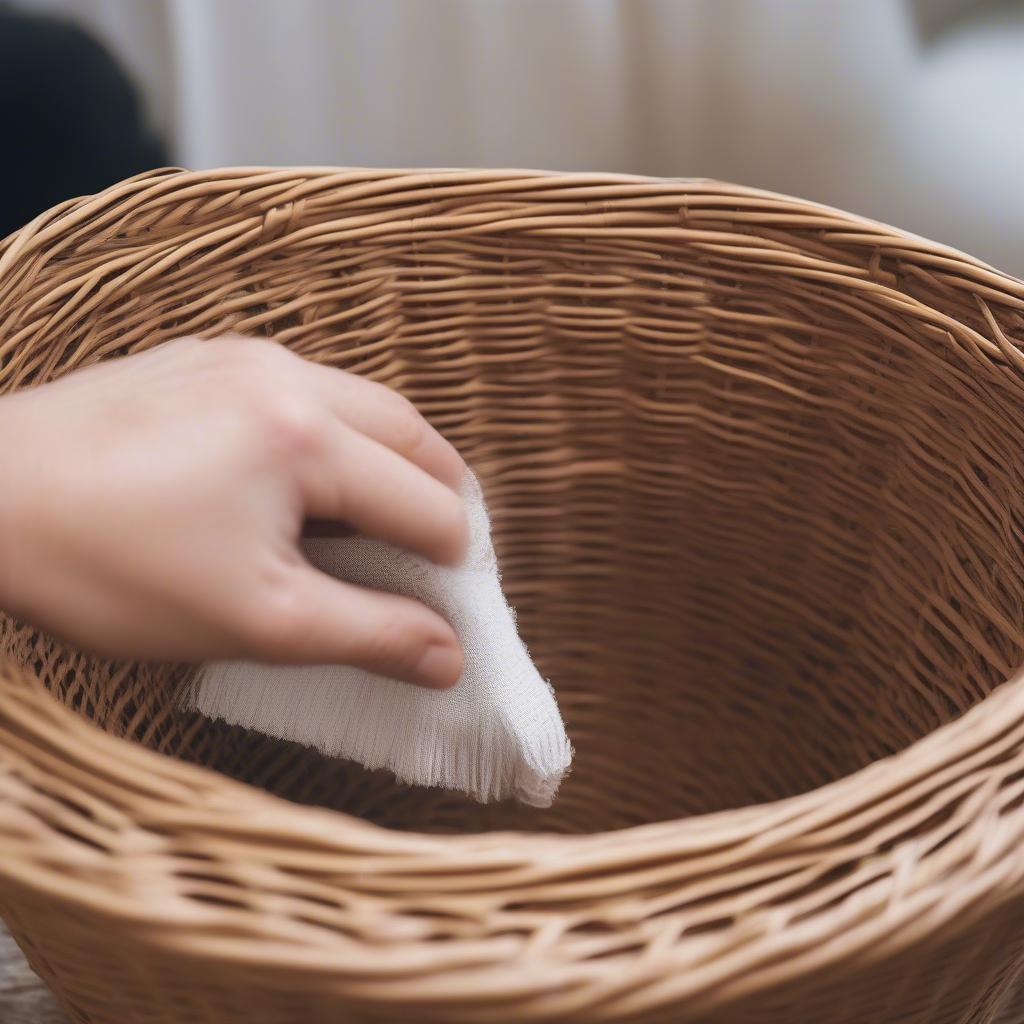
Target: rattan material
756,474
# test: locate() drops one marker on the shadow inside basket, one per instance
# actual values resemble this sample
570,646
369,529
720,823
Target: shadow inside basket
140,702
622,776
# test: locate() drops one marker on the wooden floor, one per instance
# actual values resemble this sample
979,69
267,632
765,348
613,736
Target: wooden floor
24,999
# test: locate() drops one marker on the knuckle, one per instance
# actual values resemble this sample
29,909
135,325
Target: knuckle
233,366
274,624
453,467
230,349
293,424
394,642
185,343
249,359
453,528
407,423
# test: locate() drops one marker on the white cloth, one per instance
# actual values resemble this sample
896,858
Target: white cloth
497,733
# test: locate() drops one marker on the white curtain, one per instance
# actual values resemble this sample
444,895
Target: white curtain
837,100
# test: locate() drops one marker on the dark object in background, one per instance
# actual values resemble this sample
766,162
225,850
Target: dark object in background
70,118
935,19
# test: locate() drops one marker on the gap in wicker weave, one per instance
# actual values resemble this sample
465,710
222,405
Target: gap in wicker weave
81,839
716,924
217,901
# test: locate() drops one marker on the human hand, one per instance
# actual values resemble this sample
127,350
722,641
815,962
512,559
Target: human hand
152,507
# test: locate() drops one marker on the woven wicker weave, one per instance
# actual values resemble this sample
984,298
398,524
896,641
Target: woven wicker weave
757,473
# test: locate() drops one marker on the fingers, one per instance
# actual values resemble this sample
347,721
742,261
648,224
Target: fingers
364,456
319,620
353,478
371,408
393,421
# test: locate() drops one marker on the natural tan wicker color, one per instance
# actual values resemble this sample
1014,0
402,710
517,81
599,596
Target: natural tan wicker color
757,475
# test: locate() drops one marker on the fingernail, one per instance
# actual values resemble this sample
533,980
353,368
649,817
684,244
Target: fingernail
440,666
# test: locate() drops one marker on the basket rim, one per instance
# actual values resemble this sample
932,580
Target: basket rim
316,177
233,819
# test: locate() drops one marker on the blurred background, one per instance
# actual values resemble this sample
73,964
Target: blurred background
907,111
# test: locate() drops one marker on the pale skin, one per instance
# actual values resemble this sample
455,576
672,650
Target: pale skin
152,508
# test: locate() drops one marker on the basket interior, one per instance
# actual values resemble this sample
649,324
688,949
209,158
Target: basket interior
760,530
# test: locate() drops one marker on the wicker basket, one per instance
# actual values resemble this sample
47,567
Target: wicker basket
757,473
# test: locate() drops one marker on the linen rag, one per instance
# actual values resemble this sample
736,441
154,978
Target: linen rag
497,733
